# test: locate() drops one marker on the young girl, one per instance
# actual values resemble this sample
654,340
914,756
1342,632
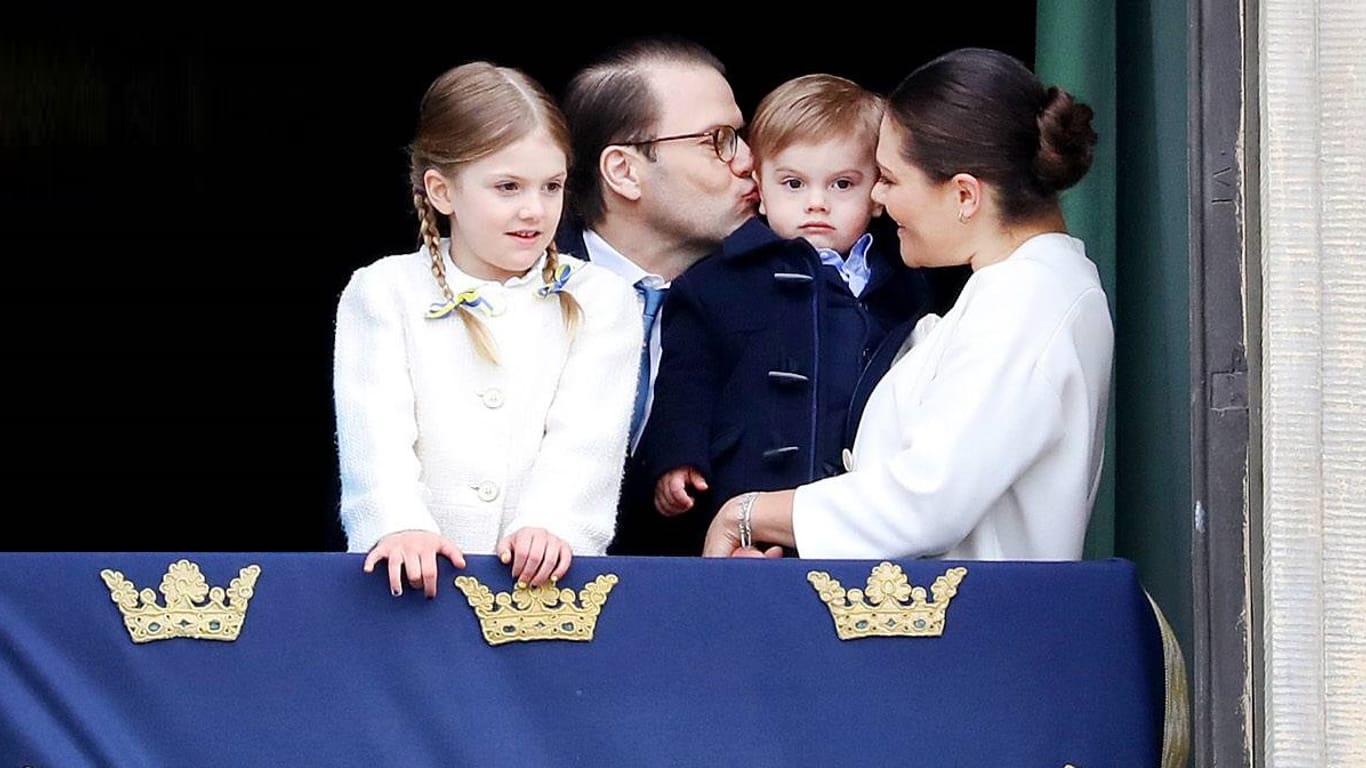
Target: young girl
481,383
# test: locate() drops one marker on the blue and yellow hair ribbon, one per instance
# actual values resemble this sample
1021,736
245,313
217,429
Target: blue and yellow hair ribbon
470,298
557,282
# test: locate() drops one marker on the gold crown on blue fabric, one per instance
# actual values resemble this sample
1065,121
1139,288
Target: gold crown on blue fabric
893,607
543,612
192,609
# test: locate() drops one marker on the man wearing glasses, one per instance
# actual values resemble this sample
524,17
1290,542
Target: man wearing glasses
660,178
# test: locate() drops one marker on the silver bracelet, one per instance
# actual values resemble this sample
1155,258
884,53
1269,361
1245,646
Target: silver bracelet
747,507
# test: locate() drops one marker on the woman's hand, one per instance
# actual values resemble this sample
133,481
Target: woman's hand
723,535
413,552
536,555
671,492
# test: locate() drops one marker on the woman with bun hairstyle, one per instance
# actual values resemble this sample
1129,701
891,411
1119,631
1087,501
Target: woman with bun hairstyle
985,438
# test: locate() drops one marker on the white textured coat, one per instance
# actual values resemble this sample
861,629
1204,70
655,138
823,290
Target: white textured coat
985,442
432,437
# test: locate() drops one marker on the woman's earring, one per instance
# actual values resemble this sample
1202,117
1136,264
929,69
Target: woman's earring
961,218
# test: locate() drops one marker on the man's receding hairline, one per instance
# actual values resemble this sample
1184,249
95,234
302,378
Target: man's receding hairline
652,75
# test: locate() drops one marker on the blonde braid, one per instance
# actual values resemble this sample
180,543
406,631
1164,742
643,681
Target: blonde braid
569,306
431,237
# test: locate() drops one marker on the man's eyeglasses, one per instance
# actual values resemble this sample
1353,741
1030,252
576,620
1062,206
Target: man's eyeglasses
725,141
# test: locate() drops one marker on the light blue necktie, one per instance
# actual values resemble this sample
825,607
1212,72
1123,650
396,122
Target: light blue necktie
654,297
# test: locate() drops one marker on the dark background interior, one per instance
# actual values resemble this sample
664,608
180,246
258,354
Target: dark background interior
177,219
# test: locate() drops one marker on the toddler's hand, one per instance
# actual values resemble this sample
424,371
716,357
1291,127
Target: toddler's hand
671,492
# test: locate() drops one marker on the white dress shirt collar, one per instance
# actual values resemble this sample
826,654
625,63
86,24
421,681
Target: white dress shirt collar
602,253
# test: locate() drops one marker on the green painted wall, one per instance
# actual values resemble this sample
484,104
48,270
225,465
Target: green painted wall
1153,425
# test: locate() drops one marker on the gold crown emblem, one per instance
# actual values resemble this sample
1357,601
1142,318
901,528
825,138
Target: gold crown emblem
887,612
187,613
537,613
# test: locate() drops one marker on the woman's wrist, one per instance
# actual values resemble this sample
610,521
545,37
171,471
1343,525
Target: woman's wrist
770,518
744,522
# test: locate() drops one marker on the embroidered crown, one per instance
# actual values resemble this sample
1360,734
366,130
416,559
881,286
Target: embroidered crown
537,613
893,608
187,613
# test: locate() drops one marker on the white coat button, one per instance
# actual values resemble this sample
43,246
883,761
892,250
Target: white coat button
487,490
847,457
493,398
